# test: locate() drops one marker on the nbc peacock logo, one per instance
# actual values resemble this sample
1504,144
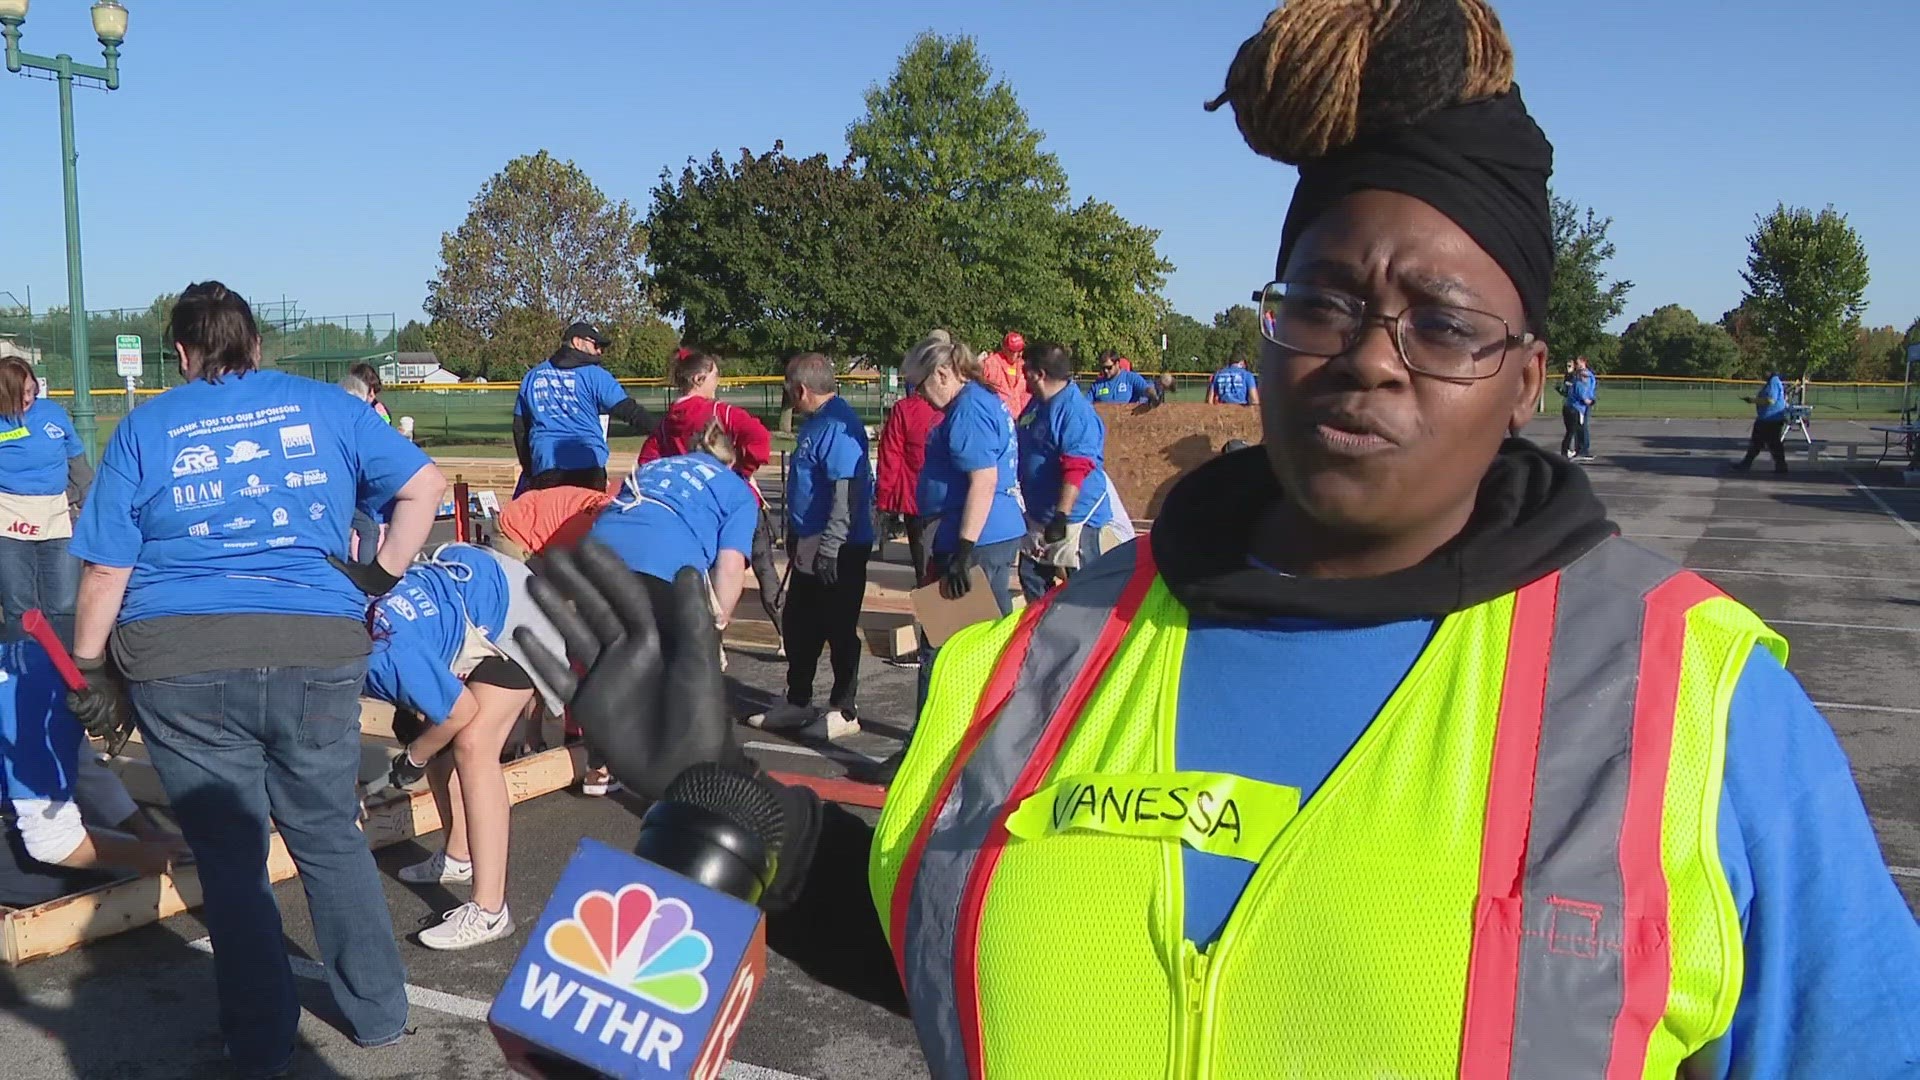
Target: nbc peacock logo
638,942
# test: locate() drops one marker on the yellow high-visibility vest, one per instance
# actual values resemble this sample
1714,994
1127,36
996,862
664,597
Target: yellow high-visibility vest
1514,873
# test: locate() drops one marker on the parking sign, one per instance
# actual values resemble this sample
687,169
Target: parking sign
126,355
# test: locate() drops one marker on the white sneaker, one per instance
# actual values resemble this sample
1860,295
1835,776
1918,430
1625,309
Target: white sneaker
467,926
438,870
834,726
785,716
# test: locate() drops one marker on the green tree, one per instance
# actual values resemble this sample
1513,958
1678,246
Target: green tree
540,245
1739,324
1187,341
1879,355
1806,281
413,337
1583,300
943,135
1671,340
1236,336
642,348
771,256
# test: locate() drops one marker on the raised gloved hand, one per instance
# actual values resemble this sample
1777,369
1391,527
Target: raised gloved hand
102,708
827,568
957,579
370,578
652,701
1056,530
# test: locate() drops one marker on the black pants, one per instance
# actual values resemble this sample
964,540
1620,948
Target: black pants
592,479
764,574
1577,439
1772,435
917,546
817,616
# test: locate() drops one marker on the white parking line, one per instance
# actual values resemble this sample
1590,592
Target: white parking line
465,1007
1904,871
1842,706
472,1009
1884,508
1846,626
1820,577
1756,540
830,753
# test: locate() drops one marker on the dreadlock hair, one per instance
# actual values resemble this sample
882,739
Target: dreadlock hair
1322,73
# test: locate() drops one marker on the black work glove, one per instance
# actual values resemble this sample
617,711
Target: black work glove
404,773
957,580
1056,530
652,701
102,708
370,578
827,568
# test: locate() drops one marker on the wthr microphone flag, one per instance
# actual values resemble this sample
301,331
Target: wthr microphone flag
633,971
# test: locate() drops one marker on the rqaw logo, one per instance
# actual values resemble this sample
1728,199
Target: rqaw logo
638,942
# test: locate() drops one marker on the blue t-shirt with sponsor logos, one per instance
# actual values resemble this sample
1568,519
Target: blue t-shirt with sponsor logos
420,626
678,512
1063,425
830,446
1122,388
976,433
1234,385
34,451
227,497
564,405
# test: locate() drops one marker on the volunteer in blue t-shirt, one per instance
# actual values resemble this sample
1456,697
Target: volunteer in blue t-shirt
1769,425
68,822
444,652
1579,389
1234,385
214,540
688,510
556,419
970,480
1062,449
43,477
1119,384
829,488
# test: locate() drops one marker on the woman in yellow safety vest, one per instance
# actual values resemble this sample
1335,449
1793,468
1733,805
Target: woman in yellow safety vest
1383,755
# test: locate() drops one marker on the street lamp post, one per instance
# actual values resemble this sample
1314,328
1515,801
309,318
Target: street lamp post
110,26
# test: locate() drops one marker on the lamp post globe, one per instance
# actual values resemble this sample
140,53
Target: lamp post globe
109,21
13,10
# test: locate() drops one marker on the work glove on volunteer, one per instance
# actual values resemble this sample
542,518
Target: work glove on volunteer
370,578
102,708
957,580
1056,530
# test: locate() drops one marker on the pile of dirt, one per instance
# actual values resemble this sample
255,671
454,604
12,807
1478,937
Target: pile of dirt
1149,449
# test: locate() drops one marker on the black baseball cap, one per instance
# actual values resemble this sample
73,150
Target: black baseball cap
585,330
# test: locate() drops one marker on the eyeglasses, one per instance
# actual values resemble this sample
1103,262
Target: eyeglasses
1441,340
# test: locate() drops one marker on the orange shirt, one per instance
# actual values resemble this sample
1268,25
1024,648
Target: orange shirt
560,516
1005,378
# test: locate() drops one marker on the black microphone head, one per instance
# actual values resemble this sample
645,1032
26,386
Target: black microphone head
740,798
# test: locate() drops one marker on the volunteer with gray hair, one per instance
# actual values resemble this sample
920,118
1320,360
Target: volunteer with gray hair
213,542
829,492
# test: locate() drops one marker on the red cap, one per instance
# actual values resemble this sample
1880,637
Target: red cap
1013,343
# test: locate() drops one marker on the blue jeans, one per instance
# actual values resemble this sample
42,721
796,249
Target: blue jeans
233,749
38,574
997,561
1036,578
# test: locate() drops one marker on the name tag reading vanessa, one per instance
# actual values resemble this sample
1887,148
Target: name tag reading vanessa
1218,813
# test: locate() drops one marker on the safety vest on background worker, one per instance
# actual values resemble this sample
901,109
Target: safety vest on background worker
1432,911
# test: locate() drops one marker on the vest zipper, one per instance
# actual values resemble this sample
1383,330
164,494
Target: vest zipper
1194,991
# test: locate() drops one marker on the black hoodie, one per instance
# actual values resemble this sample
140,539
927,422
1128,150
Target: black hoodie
1535,514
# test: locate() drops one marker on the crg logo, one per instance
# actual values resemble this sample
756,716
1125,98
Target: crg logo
195,460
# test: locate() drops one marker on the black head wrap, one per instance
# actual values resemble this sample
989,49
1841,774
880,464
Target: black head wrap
1484,164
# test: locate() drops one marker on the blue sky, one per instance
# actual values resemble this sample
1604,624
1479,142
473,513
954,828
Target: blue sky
318,150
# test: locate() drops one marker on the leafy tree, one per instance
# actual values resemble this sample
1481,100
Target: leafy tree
1236,337
541,245
1753,348
943,135
641,349
1583,301
413,337
771,256
1671,340
1806,281
1187,341
1878,355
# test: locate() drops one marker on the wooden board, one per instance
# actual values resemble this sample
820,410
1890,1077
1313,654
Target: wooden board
71,921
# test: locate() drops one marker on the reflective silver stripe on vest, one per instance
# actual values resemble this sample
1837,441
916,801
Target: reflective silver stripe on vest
1061,644
1571,980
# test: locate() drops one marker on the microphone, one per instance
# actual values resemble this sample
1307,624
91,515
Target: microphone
644,965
